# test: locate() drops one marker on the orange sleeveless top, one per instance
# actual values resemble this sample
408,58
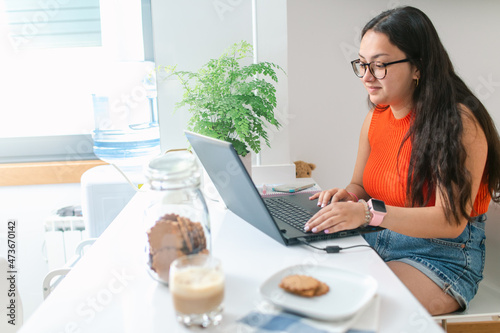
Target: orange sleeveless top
384,176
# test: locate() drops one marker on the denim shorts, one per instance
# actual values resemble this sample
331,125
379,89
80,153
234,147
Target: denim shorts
454,264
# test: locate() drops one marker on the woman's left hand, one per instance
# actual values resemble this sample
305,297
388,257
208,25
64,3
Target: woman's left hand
337,216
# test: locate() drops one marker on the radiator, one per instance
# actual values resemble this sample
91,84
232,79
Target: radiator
62,236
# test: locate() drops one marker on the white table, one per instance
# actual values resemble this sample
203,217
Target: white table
109,290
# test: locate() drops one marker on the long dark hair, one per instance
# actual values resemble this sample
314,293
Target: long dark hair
438,155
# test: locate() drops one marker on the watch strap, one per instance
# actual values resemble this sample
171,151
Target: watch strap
377,217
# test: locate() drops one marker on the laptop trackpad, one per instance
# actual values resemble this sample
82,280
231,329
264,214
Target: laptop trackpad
302,200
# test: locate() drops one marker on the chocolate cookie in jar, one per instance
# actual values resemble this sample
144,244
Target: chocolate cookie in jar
176,220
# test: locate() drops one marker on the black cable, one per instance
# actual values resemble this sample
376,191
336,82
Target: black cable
332,248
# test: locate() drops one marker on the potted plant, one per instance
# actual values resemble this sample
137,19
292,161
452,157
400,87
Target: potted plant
230,101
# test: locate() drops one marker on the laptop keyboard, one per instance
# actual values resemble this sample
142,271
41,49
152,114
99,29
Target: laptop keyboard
288,212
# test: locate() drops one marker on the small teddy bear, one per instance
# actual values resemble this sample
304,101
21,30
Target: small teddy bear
303,169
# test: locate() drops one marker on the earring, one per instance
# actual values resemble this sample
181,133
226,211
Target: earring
416,83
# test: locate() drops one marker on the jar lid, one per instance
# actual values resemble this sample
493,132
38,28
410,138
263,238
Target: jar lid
174,167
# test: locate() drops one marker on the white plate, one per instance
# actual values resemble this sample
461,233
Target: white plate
349,292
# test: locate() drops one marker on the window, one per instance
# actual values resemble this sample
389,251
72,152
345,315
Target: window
53,54
43,24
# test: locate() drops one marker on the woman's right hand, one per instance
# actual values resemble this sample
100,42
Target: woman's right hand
332,195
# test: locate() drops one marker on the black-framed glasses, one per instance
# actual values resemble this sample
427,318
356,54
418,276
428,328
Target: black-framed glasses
377,68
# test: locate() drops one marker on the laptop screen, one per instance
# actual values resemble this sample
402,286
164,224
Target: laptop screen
233,182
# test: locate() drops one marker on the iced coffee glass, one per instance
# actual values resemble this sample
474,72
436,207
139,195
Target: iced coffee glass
196,284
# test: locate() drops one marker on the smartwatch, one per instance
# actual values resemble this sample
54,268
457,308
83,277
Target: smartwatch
378,210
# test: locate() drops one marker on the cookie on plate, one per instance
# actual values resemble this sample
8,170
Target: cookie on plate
304,285
322,289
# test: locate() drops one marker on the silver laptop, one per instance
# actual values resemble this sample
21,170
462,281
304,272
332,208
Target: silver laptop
281,218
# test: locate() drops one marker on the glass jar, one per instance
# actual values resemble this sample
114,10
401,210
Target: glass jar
177,221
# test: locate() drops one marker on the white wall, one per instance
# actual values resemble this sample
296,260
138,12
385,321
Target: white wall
272,46
328,103
190,32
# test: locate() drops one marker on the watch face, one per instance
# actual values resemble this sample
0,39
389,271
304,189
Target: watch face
378,206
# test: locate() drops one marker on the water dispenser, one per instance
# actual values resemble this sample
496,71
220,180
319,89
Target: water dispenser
126,116
126,135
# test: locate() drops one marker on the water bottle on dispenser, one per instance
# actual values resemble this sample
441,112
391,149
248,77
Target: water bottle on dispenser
126,116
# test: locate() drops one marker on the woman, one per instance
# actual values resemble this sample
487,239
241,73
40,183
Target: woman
430,151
